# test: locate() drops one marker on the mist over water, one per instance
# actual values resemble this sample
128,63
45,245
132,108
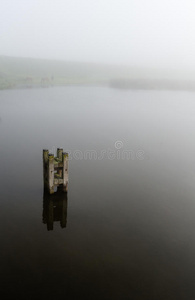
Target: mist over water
125,40
135,33
125,228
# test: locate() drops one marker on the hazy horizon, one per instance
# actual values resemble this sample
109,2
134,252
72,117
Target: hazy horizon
137,33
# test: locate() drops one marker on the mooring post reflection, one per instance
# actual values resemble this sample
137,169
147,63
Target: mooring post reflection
55,209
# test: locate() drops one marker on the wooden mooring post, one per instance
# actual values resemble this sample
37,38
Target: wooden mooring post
55,170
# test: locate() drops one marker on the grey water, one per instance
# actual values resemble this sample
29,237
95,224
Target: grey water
126,227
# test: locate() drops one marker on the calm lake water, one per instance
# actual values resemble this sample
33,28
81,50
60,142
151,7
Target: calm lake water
127,228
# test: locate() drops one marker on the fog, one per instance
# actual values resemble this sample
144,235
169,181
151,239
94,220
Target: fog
133,32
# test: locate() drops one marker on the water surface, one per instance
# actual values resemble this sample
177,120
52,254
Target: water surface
125,230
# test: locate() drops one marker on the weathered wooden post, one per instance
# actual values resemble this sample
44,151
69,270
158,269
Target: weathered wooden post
51,174
59,153
59,156
55,170
65,171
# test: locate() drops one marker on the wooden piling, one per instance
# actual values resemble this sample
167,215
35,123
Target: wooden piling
55,170
51,174
59,153
65,171
59,156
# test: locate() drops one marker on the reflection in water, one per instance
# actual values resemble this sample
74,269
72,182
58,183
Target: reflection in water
55,209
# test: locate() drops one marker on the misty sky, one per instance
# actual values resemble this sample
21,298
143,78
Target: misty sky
134,32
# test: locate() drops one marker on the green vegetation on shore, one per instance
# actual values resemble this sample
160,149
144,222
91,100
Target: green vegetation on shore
18,72
29,72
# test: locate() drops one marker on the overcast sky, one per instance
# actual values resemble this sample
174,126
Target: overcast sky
138,32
